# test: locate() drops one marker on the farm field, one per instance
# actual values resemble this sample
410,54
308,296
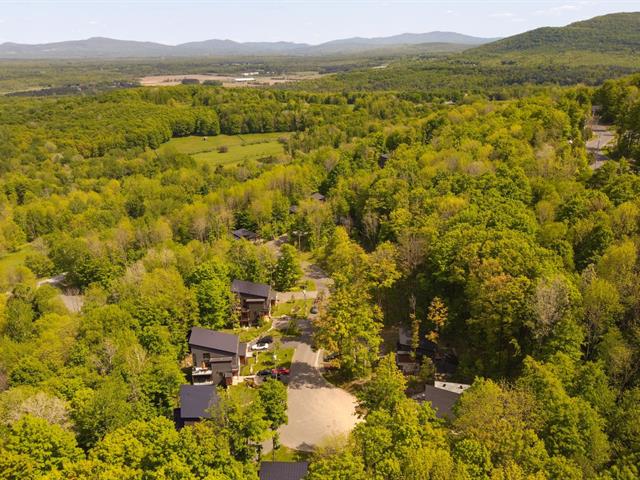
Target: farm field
228,80
239,147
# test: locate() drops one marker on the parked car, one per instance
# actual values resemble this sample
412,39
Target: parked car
281,371
314,310
268,339
264,373
260,346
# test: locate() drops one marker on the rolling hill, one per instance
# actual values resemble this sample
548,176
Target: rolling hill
99,47
615,33
588,52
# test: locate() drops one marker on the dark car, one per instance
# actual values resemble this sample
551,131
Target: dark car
268,339
264,373
314,310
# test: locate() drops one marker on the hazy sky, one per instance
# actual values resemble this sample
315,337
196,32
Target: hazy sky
311,21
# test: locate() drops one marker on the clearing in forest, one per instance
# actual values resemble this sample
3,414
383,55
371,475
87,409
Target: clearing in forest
228,149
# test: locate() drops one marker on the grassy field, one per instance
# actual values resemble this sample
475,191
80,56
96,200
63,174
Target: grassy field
293,308
239,147
11,261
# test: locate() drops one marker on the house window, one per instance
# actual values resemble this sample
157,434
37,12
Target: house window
206,356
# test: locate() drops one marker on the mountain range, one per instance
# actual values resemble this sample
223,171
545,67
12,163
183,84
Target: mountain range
100,47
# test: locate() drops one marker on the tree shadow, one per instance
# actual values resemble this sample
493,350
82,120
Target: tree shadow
304,375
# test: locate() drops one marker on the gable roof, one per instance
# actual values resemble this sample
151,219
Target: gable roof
283,470
318,196
196,400
244,233
250,288
203,337
441,400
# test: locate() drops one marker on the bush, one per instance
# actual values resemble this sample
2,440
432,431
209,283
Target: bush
40,264
223,149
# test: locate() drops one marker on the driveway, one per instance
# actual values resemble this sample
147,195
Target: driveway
317,410
602,138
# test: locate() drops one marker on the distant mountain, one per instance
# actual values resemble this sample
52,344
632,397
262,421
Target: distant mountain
617,33
96,47
354,44
99,47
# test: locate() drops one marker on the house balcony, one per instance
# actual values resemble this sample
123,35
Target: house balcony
203,381
201,371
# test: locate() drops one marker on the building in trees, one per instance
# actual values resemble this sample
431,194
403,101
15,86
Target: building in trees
442,396
196,402
216,356
254,300
283,470
243,233
318,197
411,351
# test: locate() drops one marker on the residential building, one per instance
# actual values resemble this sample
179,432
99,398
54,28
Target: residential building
442,396
254,300
318,196
444,360
283,470
196,403
216,356
243,233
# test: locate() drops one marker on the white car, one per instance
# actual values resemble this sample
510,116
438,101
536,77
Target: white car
260,346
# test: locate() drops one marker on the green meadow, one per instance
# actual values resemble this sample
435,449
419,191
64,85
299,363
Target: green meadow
239,148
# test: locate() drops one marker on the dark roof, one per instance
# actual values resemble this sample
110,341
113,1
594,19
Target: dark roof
250,288
203,337
441,400
318,196
283,470
425,347
244,233
195,400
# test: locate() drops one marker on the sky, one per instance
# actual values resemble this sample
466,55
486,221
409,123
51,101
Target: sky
308,21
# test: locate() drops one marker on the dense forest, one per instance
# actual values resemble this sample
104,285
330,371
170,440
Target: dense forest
480,222
450,196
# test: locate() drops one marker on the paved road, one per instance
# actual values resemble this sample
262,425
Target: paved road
317,410
602,138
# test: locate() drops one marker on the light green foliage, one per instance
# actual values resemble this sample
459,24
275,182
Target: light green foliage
242,419
350,325
504,422
488,206
273,397
287,269
34,444
386,388
215,299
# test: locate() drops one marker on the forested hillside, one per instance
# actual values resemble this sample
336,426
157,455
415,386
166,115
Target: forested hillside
480,223
615,33
587,52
